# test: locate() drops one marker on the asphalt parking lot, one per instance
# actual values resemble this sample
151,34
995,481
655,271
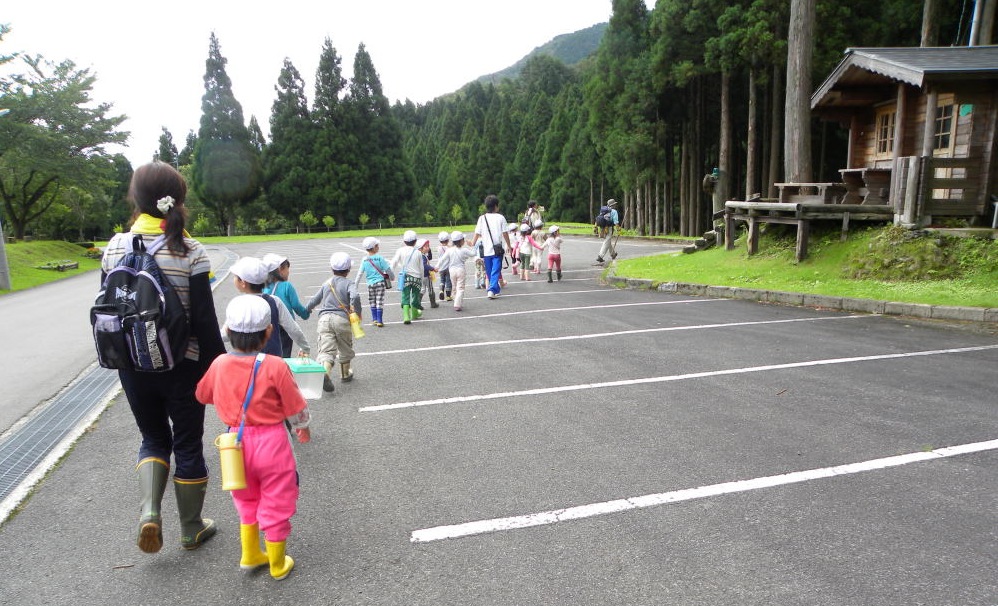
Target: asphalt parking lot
575,443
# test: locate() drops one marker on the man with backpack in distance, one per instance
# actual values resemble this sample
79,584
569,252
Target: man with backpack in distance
607,221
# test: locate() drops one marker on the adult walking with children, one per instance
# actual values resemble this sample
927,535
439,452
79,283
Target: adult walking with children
491,229
169,417
607,222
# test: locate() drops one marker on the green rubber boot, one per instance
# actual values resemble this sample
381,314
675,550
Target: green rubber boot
153,474
406,314
194,530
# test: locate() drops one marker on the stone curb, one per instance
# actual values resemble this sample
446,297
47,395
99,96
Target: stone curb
887,308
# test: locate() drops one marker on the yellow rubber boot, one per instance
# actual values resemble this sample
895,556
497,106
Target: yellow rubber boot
253,557
280,564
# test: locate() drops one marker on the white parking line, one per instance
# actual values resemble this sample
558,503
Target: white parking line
668,378
554,516
426,320
600,335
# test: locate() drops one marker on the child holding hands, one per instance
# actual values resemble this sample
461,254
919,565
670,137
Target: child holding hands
339,298
271,494
378,274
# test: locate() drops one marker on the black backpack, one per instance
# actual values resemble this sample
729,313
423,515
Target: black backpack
138,320
603,219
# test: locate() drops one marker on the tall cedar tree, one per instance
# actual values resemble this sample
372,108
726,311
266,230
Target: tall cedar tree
287,159
331,172
382,179
167,150
226,165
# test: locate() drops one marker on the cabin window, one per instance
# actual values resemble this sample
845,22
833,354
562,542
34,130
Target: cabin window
944,128
885,132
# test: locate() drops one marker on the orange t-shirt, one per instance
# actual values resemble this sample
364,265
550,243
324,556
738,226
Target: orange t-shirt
275,395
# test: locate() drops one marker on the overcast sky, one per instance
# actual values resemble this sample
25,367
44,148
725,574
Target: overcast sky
149,58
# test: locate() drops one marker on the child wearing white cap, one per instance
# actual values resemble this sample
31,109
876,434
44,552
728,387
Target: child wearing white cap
423,245
336,300
553,246
378,274
250,275
453,262
279,270
271,495
446,287
408,264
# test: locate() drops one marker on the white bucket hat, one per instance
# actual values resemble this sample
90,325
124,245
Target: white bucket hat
250,270
248,314
340,261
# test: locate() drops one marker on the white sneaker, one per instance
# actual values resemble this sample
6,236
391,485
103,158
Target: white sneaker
492,295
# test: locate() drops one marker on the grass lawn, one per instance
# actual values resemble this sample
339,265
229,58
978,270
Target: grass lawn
824,272
972,280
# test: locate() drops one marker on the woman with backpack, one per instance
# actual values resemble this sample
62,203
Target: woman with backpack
169,418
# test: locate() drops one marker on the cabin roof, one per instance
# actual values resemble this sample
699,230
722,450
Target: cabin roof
862,69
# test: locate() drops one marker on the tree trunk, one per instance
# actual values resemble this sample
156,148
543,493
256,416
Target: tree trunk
797,134
685,203
930,23
751,142
724,147
775,133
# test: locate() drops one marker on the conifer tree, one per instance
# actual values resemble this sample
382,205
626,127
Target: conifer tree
383,180
167,150
330,173
226,166
286,160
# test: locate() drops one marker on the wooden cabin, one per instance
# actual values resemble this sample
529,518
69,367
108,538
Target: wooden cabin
922,124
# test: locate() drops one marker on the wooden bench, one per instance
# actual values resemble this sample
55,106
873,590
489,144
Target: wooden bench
866,185
824,193
800,214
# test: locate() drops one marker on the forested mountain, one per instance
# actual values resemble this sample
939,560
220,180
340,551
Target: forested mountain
570,49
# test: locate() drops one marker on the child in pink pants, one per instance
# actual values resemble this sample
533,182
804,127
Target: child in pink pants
271,494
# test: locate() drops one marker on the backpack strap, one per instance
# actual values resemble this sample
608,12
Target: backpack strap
136,243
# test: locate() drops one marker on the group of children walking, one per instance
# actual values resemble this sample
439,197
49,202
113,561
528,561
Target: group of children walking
261,329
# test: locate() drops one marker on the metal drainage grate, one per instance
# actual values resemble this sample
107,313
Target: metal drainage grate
25,448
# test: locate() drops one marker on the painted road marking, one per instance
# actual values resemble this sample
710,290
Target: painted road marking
600,335
668,378
579,512
548,294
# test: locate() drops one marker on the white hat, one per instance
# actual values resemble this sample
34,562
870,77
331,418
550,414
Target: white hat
370,242
525,228
273,261
340,261
552,229
456,236
250,270
512,227
611,202
409,236
444,236
420,243
247,314
538,224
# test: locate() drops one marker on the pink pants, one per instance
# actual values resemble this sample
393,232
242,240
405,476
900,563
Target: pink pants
271,494
554,261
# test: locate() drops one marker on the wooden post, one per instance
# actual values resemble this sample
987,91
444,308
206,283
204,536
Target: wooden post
729,229
753,235
845,226
803,234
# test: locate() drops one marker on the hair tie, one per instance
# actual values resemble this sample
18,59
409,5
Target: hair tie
164,204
